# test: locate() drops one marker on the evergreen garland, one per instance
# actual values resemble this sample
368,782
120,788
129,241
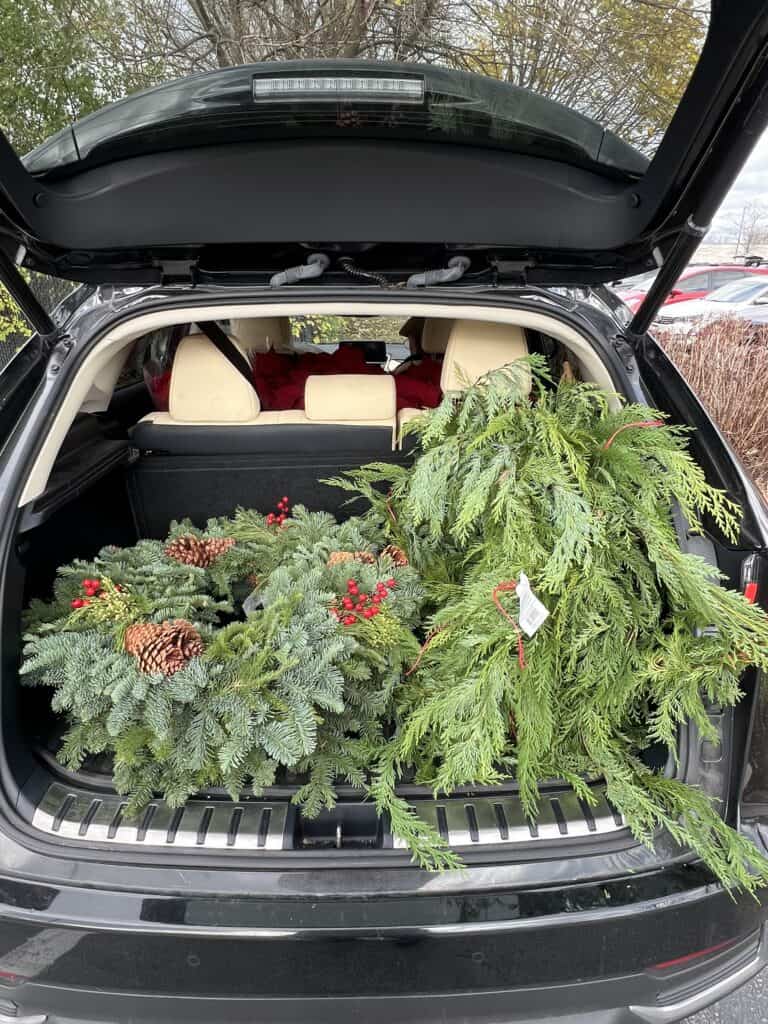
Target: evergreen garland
391,642
578,497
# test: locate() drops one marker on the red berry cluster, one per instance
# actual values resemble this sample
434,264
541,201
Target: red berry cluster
92,588
354,604
283,511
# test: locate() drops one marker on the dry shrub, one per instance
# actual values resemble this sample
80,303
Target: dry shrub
726,364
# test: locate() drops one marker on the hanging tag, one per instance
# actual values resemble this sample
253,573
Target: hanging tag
532,612
253,602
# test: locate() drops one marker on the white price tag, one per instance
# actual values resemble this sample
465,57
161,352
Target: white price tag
532,612
252,602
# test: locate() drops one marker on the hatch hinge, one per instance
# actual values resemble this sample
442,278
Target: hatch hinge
511,271
177,271
626,346
59,347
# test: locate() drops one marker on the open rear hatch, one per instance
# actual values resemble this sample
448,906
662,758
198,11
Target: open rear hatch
207,178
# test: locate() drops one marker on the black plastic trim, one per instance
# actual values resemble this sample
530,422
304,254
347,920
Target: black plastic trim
166,440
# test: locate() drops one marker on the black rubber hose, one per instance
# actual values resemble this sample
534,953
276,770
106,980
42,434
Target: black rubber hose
349,266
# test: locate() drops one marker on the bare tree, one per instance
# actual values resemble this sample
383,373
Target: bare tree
201,34
625,64
751,225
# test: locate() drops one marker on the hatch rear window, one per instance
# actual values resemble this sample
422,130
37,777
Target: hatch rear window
592,84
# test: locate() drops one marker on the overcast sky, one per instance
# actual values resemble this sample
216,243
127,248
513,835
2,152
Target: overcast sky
752,184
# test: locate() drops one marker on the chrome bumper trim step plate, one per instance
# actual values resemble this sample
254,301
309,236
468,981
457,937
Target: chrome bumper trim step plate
486,820
268,825
100,818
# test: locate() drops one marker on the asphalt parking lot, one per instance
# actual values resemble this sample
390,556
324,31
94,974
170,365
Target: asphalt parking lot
749,1005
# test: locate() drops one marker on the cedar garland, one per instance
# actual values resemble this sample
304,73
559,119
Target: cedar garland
566,486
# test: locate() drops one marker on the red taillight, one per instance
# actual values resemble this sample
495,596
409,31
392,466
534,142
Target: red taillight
680,961
750,591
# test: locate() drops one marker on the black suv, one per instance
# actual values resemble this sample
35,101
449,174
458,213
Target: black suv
245,196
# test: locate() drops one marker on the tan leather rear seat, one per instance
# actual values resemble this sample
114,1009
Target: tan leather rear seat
206,387
473,348
258,335
213,409
434,335
353,398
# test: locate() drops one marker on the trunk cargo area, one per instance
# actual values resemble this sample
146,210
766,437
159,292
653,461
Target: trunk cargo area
103,493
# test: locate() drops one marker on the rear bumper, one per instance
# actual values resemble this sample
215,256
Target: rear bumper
498,957
596,1002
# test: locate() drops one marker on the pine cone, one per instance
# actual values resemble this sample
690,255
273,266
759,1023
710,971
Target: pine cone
218,546
199,551
395,554
336,557
165,647
139,635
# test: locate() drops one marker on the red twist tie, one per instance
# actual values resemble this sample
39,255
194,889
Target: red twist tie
636,423
423,650
389,507
510,585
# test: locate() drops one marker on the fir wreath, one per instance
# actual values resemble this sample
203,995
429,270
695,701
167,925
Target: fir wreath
514,476
301,682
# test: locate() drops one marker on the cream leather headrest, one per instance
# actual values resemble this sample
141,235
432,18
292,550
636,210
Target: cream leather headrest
260,334
350,397
476,347
206,387
434,336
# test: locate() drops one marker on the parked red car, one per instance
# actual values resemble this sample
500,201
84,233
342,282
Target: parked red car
693,283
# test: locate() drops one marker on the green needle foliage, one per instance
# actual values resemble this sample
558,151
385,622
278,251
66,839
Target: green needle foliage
571,491
286,686
513,476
